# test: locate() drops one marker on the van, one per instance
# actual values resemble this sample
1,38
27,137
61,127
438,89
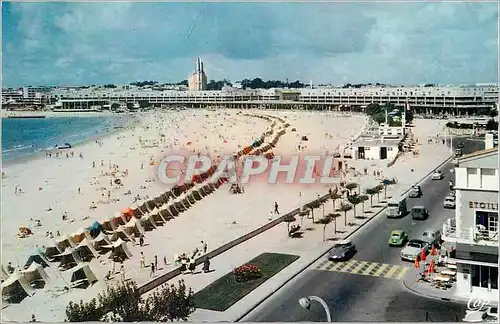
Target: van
419,213
396,207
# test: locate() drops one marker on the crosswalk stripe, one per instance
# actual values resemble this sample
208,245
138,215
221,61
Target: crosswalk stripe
369,269
392,271
360,266
381,269
343,265
403,273
375,269
352,266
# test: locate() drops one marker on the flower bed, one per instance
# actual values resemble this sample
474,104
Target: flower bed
247,272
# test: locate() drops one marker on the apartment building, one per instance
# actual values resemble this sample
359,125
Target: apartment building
457,100
474,229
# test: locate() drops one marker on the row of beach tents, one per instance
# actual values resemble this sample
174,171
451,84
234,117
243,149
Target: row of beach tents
111,235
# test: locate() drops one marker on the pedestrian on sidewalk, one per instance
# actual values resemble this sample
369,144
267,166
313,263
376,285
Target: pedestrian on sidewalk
276,208
204,246
206,265
271,215
152,269
165,261
156,262
192,265
143,261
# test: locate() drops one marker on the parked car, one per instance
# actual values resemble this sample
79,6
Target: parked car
415,191
452,193
458,152
342,251
419,213
431,236
449,202
398,238
437,175
414,248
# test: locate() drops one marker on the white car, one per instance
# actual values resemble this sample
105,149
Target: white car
449,202
414,248
438,175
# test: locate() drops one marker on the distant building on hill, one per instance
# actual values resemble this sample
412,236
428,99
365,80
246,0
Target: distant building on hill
198,80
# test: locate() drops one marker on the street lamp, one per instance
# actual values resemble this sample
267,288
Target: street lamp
305,302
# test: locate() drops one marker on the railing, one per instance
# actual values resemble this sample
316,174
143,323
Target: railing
469,235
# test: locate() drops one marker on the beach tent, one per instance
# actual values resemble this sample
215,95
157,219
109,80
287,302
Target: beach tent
64,241
17,287
127,213
69,258
95,229
120,219
50,252
86,250
80,234
83,274
147,222
36,258
134,227
120,251
35,272
136,211
101,240
110,224
122,233
161,215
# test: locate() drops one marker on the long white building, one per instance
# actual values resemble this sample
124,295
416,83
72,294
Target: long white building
474,229
452,100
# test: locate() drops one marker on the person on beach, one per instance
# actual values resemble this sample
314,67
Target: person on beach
143,261
122,272
141,240
79,191
276,208
152,269
204,247
93,164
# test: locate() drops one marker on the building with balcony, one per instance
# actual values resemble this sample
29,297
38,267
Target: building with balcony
453,100
474,230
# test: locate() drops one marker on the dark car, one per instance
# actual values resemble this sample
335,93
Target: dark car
342,251
415,191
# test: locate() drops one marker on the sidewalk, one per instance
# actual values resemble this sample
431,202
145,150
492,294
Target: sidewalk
425,290
310,248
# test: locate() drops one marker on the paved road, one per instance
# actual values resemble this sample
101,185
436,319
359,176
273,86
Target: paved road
354,297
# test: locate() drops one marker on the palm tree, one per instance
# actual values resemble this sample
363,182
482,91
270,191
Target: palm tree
302,213
334,196
351,186
334,217
379,189
288,219
354,200
325,221
371,192
363,199
313,205
345,208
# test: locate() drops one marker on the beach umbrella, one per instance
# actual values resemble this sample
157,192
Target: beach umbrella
433,250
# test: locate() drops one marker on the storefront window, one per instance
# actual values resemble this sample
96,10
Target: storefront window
488,220
494,278
484,277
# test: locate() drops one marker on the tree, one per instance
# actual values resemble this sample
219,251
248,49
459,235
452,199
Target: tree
371,192
122,302
302,213
351,186
334,217
354,200
334,195
492,125
325,221
363,199
288,219
313,205
345,208
378,190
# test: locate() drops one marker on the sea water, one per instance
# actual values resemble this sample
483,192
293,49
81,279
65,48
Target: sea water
25,137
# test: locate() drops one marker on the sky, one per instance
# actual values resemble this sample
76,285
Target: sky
101,43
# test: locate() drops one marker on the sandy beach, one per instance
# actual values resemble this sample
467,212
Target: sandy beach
71,185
